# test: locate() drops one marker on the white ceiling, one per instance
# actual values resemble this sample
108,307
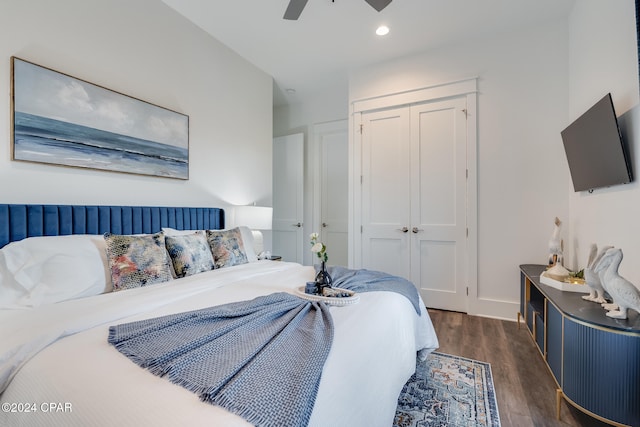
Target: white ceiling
330,38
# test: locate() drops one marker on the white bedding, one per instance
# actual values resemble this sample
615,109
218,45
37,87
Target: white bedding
70,376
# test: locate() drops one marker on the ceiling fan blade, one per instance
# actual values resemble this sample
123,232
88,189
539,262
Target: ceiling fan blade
378,4
294,9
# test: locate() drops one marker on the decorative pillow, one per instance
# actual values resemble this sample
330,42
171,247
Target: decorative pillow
245,232
50,269
190,253
137,261
227,247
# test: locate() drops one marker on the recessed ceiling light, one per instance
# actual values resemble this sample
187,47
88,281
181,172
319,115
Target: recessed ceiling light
382,30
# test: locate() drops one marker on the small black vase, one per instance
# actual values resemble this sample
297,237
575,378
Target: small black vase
323,279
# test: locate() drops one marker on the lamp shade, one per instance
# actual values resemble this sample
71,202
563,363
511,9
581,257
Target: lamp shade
254,217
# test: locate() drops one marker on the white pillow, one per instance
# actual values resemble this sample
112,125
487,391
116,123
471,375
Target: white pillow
249,244
173,232
245,232
50,269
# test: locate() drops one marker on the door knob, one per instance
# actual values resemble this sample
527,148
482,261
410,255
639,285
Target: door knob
403,229
324,224
416,229
299,224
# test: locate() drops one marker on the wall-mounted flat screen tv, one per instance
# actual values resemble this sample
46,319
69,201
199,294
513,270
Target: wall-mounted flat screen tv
596,152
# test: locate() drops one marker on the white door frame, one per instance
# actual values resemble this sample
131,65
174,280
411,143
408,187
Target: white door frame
467,88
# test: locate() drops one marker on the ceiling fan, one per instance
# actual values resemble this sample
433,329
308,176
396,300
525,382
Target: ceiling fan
295,7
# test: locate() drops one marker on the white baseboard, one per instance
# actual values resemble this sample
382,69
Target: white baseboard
503,310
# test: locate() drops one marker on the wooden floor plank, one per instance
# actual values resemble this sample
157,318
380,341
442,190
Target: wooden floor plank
525,388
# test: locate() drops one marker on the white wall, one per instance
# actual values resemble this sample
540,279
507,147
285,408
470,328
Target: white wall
522,175
603,58
143,49
532,83
327,105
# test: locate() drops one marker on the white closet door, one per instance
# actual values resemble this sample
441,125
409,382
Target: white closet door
386,191
288,197
415,155
438,203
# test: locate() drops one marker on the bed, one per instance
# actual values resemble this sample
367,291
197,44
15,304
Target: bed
58,368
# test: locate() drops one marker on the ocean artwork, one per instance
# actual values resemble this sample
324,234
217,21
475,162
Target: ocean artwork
61,120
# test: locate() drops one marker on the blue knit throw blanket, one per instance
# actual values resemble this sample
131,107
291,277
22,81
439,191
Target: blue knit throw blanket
370,280
260,359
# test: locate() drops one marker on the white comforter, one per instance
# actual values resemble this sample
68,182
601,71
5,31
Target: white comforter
58,368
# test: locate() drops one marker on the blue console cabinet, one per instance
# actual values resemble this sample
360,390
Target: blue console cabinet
595,360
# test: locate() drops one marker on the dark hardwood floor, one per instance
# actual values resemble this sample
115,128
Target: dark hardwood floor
525,389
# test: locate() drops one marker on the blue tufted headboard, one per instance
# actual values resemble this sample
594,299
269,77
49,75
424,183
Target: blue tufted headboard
20,221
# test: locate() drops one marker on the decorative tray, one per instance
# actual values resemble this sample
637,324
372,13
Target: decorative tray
564,286
339,301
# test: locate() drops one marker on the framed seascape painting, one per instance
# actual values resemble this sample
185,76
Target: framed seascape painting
62,120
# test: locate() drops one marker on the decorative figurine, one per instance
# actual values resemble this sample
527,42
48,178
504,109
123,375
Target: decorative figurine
555,269
609,306
623,292
555,245
591,278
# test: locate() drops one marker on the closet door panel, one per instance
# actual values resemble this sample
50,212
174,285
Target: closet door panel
386,191
438,265
435,163
438,202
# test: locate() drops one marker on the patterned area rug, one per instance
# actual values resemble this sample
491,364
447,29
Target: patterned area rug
448,391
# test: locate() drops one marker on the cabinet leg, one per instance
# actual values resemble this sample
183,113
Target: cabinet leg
558,402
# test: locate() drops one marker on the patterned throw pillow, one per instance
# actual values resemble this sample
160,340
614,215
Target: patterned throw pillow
137,261
227,247
190,253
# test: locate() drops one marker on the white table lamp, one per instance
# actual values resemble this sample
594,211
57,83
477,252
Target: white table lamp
256,218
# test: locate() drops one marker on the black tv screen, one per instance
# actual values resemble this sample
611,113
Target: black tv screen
595,150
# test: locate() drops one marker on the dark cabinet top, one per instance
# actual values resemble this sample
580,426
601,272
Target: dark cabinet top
572,304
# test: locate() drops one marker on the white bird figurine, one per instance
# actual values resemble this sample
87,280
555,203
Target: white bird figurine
555,244
606,305
591,278
623,292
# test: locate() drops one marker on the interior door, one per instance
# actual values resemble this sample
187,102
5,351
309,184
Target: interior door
438,203
288,197
385,184
414,198
334,177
